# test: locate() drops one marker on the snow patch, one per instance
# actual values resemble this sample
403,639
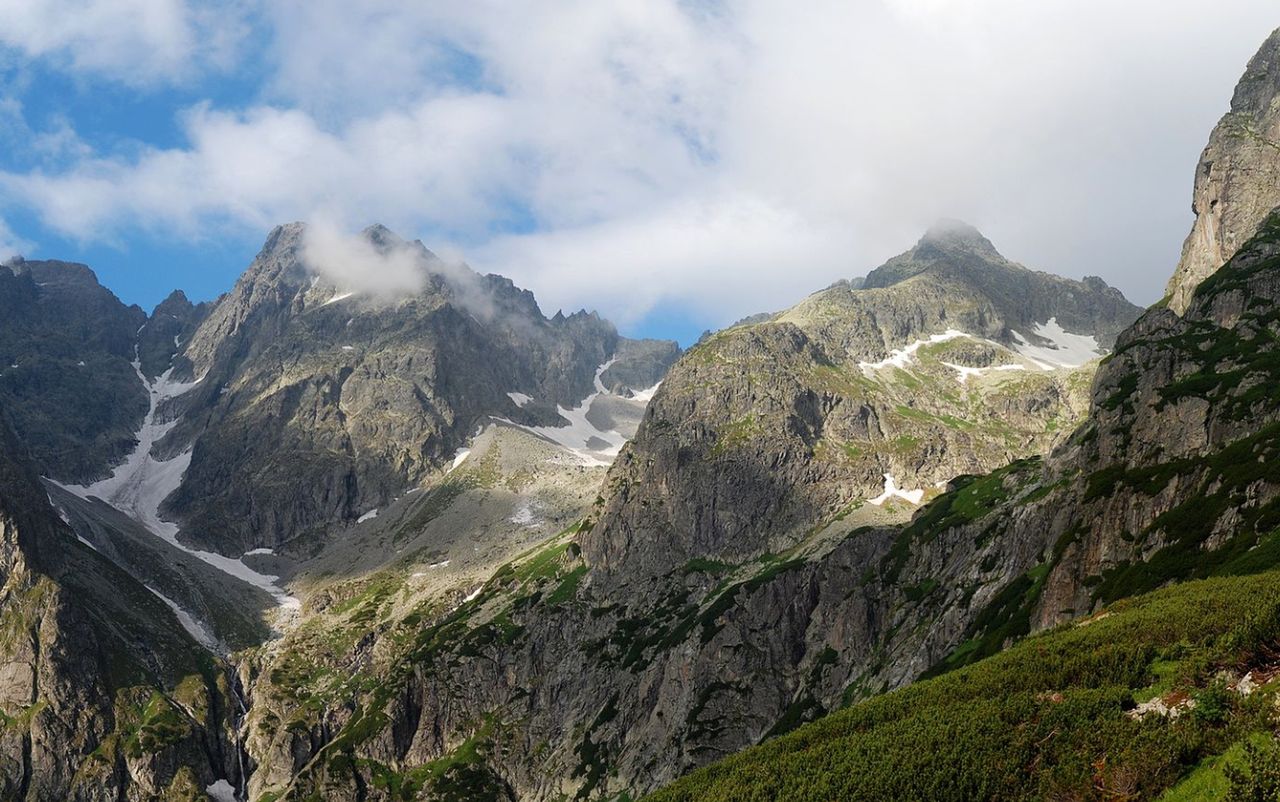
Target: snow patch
891,490
368,516
342,296
473,595
1065,350
520,399
348,348
581,436
252,552
901,357
221,791
139,485
965,372
645,396
196,629
459,458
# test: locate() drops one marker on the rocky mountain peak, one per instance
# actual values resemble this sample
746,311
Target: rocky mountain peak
956,234
949,245
1256,89
47,273
1238,179
176,301
379,234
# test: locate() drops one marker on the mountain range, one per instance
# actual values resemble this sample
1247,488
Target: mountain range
318,541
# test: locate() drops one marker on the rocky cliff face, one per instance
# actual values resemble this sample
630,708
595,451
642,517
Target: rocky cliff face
1238,179
103,696
941,366
735,578
62,332
381,396
1017,299
318,402
573,672
167,330
895,477
1171,476
1176,467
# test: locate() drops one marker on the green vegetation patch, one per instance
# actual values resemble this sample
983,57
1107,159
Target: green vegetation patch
971,499
1048,718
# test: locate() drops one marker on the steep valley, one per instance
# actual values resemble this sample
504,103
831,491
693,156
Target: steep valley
329,498
314,542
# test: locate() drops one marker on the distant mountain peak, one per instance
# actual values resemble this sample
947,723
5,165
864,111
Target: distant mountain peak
947,244
383,238
950,233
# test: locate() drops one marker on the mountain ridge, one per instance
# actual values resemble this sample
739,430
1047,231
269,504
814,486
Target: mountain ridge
446,583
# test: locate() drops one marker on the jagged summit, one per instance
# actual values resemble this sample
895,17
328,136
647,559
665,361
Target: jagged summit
384,359
949,233
950,244
1238,178
954,260
379,234
55,272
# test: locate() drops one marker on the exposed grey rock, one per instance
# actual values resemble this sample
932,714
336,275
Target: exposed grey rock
1238,179
765,430
104,696
66,381
731,583
170,325
1019,298
318,403
639,365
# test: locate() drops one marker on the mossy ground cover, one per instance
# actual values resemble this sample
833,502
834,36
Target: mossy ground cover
1226,482
1209,779
972,499
426,639
1046,719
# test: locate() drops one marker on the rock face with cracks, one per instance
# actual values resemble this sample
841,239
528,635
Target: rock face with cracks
1238,178
895,477
319,402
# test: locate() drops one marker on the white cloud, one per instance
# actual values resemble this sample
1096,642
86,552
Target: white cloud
136,41
697,252
10,244
728,157
355,262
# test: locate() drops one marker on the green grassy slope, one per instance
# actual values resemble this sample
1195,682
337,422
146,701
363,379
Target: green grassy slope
1049,718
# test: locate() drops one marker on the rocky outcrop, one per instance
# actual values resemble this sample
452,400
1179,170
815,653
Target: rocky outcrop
1172,475
1176,467
171,324
733,581
1238,179
766,430
1017,299
639,365
102,695
66,382
319,402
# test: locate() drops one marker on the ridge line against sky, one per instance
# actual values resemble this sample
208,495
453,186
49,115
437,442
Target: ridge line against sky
675,165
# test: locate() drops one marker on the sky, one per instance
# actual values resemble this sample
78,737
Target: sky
674,164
